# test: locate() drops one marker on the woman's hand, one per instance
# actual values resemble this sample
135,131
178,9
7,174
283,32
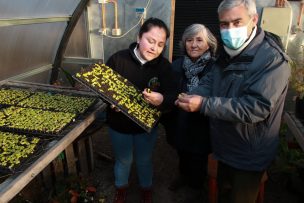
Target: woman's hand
153,98
189,103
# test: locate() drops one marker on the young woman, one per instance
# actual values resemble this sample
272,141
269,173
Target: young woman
145,67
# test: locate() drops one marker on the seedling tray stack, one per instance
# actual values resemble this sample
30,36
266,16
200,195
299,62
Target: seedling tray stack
120,92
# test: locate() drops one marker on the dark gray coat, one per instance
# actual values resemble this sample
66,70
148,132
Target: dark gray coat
187,131
244,98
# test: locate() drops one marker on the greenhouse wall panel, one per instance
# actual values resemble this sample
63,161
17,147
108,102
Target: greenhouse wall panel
36,8
27,47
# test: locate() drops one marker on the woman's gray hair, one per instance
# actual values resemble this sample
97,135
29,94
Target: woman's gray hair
193,30
228,4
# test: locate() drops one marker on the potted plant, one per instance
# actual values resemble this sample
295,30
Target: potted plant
287,170
297,83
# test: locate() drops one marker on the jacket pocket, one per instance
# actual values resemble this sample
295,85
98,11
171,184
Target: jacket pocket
256,135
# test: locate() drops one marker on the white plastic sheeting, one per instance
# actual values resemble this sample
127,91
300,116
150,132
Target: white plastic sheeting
27,43
36,8
27,47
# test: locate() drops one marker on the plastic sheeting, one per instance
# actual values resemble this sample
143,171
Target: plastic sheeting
36,8
28,45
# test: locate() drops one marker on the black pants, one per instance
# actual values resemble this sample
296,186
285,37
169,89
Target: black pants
237,186
193,168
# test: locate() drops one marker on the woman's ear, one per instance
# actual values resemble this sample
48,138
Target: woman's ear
137,40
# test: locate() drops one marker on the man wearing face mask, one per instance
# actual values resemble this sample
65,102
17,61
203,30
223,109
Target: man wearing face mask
244,97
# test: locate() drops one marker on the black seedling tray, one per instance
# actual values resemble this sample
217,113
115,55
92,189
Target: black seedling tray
108,96
123,110
37,133
14,102
41,147
55,110
33,90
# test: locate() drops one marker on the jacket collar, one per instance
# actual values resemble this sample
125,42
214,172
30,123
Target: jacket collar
246,56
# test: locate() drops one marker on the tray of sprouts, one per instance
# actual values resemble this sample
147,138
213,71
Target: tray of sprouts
34,121
58,102
18,150
12,96
120,92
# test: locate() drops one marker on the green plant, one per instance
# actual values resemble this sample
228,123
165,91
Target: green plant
289,158
14,148
296,53
297,78
73,189
288,167
37,120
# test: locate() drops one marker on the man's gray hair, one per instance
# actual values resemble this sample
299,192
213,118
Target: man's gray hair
228,4
193,30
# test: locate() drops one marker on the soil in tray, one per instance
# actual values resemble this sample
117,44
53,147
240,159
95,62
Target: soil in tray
16,150
117,90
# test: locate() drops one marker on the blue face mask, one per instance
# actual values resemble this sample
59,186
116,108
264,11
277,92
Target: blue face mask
234,38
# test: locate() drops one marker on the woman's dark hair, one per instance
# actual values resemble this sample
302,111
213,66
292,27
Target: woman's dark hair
153,22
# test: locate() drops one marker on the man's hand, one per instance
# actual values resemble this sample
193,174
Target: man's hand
189,103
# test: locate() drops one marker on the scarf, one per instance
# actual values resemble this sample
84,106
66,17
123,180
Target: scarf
193,69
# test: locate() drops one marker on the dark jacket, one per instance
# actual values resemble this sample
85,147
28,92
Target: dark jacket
244,98
126,64
187,131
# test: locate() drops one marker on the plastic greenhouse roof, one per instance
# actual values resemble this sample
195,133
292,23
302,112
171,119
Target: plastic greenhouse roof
31,32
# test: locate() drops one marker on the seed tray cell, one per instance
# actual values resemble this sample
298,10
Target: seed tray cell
58,102
34,121
16,150
120,92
